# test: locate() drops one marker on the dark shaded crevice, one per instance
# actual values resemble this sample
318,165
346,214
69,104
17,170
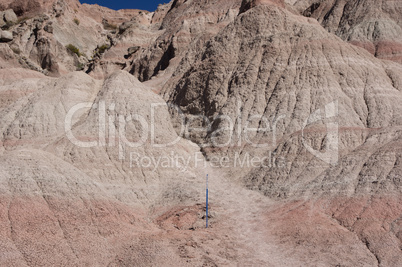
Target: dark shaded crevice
91,68
245,6
45,58
143,71
367,244
329,13
310,10
176,3
165,60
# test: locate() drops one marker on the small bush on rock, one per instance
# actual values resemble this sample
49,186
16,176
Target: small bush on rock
73,49
103,48
109,26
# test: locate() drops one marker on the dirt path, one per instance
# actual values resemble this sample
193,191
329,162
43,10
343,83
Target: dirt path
241,212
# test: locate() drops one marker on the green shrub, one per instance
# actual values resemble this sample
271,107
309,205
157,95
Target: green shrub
109,26
103,48
76,21
80,66
73,49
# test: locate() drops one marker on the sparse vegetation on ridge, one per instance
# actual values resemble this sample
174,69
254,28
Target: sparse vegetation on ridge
80,66
109,26
102,49
73,49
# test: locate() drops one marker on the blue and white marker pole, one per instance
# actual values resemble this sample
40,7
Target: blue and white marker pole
207,203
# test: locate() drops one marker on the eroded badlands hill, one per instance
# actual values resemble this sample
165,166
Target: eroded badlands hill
373,25
88,180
